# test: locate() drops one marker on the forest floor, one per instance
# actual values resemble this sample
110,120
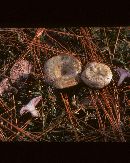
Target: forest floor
76,114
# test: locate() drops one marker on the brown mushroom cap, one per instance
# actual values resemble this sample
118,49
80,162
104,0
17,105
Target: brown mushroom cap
62,71
96,75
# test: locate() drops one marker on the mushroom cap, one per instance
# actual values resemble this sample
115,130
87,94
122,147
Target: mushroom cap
21,69
96,75
62,71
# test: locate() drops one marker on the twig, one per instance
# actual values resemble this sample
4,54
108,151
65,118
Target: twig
117,40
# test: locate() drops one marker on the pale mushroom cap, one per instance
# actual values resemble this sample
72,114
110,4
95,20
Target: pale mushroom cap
96,75
21,68
62,71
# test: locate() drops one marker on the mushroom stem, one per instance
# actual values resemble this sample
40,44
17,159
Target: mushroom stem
31,107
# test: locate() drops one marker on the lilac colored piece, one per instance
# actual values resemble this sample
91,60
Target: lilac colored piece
123,73
31,107
4,85
21,68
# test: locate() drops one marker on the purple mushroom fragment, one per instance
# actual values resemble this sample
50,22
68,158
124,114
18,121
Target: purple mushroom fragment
31,107
4,86
20,70
123,74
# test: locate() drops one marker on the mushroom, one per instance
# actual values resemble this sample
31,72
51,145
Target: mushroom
96,75
123,73
4,85
62,71
31,107
21,69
